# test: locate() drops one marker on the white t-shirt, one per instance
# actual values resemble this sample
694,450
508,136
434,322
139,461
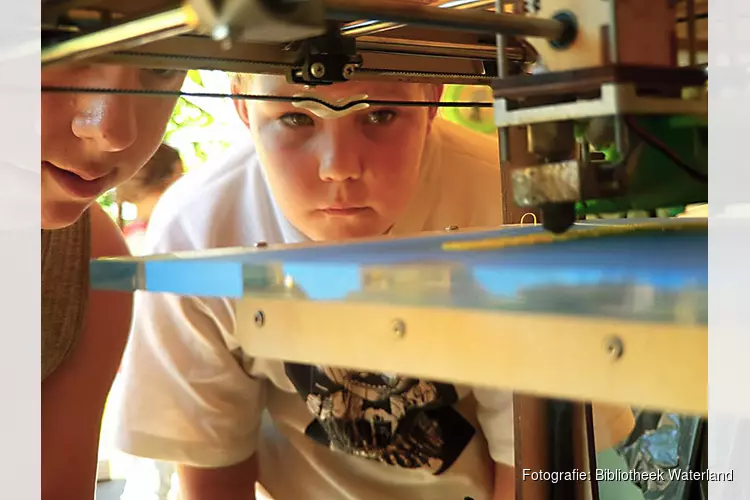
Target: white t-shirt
192,396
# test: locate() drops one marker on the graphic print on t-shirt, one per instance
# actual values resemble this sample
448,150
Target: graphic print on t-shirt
403,422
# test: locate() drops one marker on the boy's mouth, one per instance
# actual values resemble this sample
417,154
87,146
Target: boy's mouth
342,211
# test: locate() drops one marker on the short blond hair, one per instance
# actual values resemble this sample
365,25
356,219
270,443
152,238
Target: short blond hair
239,79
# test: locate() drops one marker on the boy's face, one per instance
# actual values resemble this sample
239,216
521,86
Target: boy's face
342,176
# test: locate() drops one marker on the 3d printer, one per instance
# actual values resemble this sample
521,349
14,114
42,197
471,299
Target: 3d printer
600,107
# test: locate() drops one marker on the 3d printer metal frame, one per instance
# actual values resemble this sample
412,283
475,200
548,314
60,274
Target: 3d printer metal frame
540,308
200,21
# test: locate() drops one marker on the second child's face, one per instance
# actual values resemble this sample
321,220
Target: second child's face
94,142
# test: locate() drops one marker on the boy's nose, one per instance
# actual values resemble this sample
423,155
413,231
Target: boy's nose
339,159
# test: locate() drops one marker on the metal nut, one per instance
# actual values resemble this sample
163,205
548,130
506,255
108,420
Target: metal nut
260,319
614,348
317,70
398,327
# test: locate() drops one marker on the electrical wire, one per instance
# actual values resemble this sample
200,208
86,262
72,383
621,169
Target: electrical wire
275,98
656,143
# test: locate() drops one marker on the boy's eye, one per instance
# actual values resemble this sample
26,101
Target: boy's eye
296,120
165,74
381,117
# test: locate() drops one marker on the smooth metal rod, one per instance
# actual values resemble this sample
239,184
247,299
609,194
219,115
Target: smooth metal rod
127,35
503,135
450,19
371,27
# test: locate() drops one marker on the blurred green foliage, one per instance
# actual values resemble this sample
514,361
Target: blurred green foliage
193,130
188,116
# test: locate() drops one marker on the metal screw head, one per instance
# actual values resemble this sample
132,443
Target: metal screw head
260,244
614,348
317,70
398,327
451,228
260,319
348,71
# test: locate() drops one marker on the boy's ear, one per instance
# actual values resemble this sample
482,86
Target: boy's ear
179,170
240,105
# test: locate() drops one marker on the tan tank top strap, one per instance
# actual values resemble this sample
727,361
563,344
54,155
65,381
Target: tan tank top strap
65,290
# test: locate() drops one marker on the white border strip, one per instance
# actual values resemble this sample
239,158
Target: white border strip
729,248
20,128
